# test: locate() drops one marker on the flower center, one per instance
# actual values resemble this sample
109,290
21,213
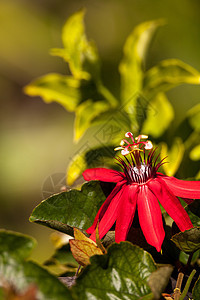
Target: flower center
139,175
139,167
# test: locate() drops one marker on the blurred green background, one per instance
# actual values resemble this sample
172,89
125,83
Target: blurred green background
36,138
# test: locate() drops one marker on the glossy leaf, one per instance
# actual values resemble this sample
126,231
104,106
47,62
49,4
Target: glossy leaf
83,248
16,244
70,209
125,270
22,274
174,156
168,74
188,240
159,114
55,87
131,66
81,55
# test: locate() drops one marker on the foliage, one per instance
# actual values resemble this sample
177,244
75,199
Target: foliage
143,105
124,270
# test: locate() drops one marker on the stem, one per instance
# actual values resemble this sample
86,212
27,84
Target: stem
187,285
189,260
108,95
177,290
77,271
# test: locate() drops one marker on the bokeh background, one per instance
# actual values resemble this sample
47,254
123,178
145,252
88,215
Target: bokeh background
36,138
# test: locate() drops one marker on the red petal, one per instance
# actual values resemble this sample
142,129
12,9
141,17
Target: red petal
183,188
126,213
110,215
170,203
104,207
150,217
103,174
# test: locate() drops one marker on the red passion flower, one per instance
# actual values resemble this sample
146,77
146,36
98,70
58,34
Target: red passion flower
140,186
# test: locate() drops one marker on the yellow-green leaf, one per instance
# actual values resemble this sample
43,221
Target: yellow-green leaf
86,114
58,88
195,153
159,114
83,248
81,54
168,74
135,50
174,156
80,236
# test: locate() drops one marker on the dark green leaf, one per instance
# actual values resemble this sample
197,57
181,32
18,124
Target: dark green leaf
70,209
23,274
58,88
188,240
121,274
193,211
167,75
159,279
16,244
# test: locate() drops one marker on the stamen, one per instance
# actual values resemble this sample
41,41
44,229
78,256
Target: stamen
136,145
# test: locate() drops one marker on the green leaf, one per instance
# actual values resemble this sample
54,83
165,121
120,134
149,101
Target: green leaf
23,274
159,279
81,55
183,257
58,88
174,156
70,209
135,50
167,75
16,244
89,158
188,240
196,290
86,114
63,256
160,113
123,273
195,153
193,211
